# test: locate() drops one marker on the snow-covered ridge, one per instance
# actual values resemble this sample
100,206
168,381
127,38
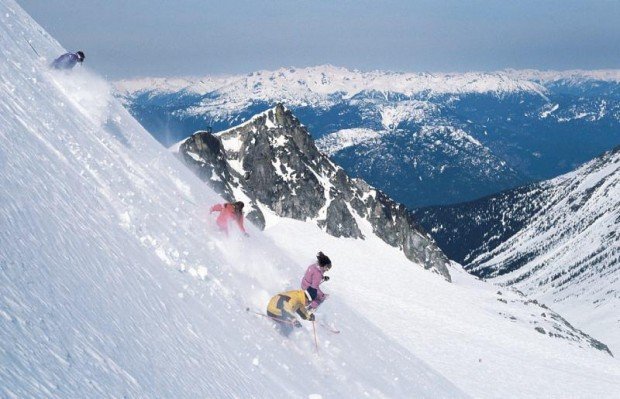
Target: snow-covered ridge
346,138
569,252
557,241
574,75
268,115
483,105
314,83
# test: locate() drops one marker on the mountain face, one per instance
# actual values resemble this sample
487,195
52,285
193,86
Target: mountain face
405,163
271,162
556,240
423,139
113,285
466,231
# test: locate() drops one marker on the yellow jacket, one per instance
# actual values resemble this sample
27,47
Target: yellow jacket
289,303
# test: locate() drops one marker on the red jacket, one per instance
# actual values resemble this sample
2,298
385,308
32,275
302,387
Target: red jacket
227,214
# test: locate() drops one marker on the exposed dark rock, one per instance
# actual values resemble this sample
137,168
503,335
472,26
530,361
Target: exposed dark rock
274,162
339,222
212,160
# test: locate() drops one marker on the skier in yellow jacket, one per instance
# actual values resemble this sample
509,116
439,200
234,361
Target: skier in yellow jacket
285,306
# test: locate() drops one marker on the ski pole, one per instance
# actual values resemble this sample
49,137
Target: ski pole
270,317
30,44
316,344
190,201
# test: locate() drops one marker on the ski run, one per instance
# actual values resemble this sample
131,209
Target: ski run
115,281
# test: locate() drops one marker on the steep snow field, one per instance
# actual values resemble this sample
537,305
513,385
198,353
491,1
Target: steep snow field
568,252
113,285
479,336
113,282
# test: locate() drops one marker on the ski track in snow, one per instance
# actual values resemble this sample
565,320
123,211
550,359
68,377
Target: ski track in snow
115,283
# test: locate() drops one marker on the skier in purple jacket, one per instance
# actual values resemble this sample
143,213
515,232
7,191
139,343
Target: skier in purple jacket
314,277
68,60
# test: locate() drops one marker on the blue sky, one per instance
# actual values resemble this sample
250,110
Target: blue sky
197,37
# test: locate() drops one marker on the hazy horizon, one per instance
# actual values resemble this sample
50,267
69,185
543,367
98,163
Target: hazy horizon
206,37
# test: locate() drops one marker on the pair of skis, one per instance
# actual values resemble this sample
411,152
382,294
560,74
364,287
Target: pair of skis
324,325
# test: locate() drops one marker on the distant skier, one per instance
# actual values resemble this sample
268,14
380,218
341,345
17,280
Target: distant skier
285,306
68,60
315,276
229,212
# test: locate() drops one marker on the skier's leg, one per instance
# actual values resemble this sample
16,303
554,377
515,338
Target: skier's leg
286,328
282,324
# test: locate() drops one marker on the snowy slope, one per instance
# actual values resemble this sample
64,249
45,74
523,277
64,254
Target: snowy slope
111,284
556,240
346,138
491,342
568,252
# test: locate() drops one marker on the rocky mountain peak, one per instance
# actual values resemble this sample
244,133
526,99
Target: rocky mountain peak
272,163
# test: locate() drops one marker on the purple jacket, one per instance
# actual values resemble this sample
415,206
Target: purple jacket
65,61
313,278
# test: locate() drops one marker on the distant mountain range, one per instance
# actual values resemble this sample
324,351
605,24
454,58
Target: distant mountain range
557,241
424,139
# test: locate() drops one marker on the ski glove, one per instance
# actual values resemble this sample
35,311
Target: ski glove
296,324
325,278
311,317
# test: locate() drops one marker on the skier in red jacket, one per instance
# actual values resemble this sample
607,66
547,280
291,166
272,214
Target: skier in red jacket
229,212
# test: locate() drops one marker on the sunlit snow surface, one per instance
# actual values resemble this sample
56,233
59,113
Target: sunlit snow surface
113,282
569,252
479,336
